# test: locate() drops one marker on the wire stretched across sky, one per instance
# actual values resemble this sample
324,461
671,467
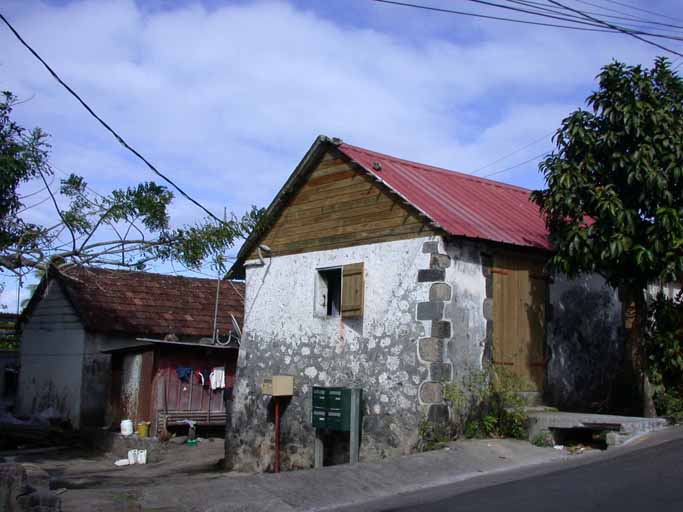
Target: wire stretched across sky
106,126
581,22
616,27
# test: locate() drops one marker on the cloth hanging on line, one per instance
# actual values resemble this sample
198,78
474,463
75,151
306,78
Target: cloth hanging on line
201,377
183,372
206,376
217,378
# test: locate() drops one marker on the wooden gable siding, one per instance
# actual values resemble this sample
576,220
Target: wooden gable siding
337,207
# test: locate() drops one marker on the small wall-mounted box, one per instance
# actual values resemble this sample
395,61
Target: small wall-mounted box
278,385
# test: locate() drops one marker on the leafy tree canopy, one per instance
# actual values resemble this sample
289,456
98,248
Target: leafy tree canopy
125,228
614,197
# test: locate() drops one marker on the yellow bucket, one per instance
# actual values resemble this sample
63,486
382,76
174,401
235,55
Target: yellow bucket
143,429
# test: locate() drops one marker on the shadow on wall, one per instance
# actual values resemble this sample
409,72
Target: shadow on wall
585,347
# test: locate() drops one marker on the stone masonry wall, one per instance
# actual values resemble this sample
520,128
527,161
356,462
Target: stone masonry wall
432,349
378,352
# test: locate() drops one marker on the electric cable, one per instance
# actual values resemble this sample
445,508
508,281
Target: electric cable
106,126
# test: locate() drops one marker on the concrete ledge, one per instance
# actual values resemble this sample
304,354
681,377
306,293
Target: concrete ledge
625,425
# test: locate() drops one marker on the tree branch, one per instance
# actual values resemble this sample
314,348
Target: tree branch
59,211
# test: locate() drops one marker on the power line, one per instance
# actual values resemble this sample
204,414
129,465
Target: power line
526,11
545,137
627,17
515,166
616,27
628,6
590,26
486,16
105,125
617,11
570,18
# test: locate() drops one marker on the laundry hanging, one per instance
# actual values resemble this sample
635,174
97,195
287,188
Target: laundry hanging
183,372
205,374
217,378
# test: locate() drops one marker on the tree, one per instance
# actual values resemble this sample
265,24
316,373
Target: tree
614,198
126,228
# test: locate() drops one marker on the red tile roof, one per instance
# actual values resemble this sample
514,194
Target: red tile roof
146,304
463,205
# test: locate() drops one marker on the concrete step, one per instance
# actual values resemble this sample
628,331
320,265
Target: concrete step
621,427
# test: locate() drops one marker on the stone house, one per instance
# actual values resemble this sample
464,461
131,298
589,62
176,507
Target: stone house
398,277
101,345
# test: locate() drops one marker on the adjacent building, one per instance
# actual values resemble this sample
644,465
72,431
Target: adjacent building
102,345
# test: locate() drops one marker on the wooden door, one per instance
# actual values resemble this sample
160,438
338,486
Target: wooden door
520,290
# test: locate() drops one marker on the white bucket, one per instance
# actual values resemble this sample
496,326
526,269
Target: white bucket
126,427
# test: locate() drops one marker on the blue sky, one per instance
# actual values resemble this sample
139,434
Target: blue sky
226,97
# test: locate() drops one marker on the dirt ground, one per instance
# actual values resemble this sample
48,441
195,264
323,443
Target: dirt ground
92,482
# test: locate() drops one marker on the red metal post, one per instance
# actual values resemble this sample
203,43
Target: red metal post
277,434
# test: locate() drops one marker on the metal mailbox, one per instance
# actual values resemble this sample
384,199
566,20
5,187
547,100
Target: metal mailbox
278,385
332,408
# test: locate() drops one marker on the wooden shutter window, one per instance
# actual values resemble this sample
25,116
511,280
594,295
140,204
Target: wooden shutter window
353,284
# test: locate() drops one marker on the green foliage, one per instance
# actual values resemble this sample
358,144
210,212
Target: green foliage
127,227
663,347
544,439
433,436
487,403
23,156
614,197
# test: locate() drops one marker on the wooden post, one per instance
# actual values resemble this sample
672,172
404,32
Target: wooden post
318,450
354,445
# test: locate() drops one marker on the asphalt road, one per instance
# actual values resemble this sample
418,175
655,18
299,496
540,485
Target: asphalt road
646,480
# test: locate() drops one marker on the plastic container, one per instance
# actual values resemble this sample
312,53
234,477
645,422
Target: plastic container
126,427
142,457
143,429
132,456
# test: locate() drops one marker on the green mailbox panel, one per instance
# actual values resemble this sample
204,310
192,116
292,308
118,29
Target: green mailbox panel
332,408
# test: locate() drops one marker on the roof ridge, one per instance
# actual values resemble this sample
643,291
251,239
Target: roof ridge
432,168
142,272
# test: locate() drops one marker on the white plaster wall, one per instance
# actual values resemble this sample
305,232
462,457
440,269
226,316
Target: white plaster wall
52,346
130,384
378,352
670,290
279,305
465,310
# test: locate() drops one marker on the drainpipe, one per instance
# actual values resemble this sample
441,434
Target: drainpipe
277,434
215,310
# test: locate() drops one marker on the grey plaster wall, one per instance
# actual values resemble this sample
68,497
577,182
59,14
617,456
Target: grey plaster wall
378,352
96,378
585,348
466,310
454,319
52,347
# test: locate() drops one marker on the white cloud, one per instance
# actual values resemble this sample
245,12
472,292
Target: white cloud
226,100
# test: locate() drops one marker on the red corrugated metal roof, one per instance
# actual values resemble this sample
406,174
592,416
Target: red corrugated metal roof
463,205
